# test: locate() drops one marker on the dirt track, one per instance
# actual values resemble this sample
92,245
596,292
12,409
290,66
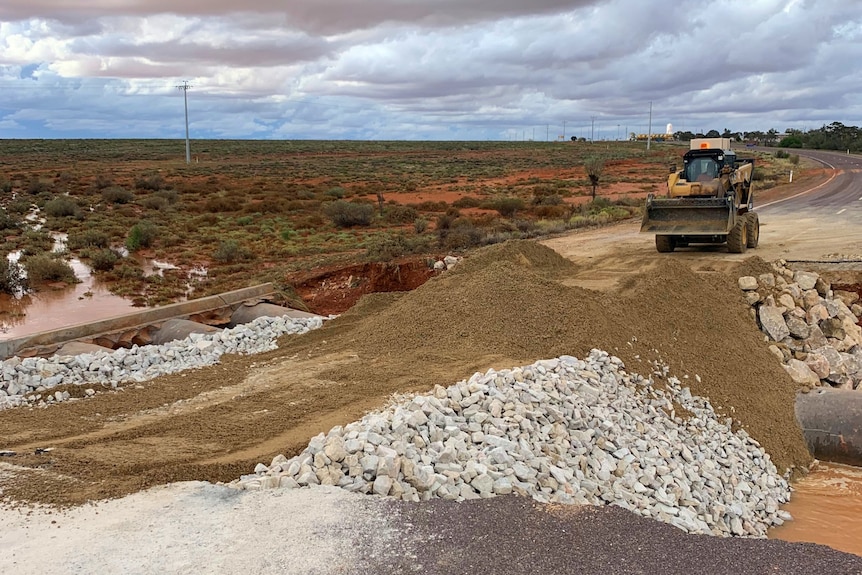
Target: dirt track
516,307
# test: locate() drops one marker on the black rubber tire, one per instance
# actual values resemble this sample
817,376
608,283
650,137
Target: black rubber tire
737,239
753,229
665,244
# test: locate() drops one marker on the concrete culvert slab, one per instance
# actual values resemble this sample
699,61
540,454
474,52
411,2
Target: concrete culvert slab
174,329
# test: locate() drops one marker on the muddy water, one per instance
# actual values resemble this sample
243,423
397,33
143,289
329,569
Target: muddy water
827,509
50,309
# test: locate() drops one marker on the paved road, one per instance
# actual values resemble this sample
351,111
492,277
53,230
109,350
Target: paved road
816,222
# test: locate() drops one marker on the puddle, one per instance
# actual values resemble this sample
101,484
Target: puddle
826,508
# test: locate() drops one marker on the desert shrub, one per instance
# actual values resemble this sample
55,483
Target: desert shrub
386,247
348,214
305,195
508,207
142,235
8,221
88,239
170,196
524,226
337,192
420,225
271,205
215,204
104,260
794,159
61,207
103,181
5,186
431,206
230,251
244,220
546,211
546,196
37,241
13,280
43,268
151,182
156,203
467,202
20,206
117,195
36,186
782,154
400,214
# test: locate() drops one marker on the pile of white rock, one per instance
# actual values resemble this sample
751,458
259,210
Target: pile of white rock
814,329
29,381
562,430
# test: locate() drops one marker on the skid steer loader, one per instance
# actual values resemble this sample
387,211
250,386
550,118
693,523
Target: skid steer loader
709,201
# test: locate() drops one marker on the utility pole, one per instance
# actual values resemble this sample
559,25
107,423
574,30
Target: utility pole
547,132
564,129
185,88
649,130
592,128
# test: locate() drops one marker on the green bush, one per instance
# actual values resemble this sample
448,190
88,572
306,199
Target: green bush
8,221
88,239
508,207
156,203
117,195
13,281
386,247
420,225
61,207
104,260
229,251
103,181
5,186
336,192
36,186
781,154
37,241
142,235
152,182
43,268
467,202
794,159
348,214
400,214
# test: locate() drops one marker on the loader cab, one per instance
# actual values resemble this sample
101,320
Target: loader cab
706,165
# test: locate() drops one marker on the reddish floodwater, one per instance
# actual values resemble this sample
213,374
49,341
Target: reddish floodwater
826,508
52,309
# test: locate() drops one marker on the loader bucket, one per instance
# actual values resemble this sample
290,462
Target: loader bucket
688,216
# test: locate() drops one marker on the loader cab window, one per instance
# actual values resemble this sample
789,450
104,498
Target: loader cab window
701,169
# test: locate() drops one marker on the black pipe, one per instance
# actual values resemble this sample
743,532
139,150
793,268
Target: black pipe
831,421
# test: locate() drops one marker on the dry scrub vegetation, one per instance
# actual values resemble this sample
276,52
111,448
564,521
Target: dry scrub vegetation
255,211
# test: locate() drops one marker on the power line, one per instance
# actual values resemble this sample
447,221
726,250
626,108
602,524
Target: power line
185,88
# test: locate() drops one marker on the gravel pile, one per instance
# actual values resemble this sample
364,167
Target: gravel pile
29,381
814,329
562,430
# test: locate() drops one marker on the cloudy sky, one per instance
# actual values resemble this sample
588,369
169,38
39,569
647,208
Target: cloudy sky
425,69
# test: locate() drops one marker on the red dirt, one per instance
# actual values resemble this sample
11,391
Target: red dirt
334,290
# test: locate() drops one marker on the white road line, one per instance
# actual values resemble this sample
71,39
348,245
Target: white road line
841,212
832,177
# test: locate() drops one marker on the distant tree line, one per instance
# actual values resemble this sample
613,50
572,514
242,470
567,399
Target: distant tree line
835,136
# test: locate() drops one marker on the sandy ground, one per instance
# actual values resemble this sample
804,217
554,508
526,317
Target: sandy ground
197,527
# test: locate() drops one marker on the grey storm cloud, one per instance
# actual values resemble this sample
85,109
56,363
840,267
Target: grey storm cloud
425,68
